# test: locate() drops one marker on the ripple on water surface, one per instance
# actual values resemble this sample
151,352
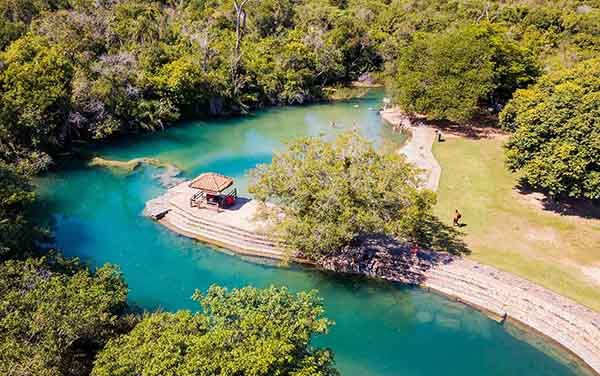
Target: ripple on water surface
380,329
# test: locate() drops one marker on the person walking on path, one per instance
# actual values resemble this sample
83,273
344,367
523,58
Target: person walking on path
457,217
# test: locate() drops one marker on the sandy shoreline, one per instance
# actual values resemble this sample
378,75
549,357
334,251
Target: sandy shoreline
418,150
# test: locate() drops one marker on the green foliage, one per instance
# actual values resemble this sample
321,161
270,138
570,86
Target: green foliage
330,193
55,314
91,71
82,69
448,75
34,89
445,75
245,331
17,232
556,139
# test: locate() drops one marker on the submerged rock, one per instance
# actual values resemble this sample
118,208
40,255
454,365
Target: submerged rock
169,176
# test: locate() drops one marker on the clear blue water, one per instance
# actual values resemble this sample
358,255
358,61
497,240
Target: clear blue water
381,329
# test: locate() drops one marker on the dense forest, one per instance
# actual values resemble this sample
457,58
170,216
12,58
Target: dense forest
75,71
85,70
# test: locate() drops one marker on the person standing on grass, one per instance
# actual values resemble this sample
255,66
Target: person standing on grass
457,217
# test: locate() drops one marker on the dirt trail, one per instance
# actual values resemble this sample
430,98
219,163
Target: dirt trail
418,149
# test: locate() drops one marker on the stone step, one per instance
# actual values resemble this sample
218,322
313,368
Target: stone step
546,319
176,221
223,226
542,308
175,205
226,235
203,228
224,231
239,248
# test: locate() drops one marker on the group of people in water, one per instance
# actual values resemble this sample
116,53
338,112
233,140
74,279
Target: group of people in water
334,125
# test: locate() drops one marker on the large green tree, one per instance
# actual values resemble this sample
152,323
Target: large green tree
326,194
55,314
34,88
449,75
444,75
245,331
556,132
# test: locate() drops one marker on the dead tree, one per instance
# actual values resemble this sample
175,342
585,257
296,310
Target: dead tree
240,28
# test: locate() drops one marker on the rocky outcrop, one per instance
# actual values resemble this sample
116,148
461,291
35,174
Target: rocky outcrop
499,294
384,257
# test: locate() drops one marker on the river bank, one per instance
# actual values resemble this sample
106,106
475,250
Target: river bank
500,295
574,327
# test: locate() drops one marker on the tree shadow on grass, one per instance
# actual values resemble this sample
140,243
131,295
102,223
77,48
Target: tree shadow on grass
565,206
480,127
432,234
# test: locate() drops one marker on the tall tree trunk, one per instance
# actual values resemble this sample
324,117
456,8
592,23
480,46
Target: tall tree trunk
240,28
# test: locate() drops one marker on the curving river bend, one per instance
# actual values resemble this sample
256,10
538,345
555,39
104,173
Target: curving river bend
380,329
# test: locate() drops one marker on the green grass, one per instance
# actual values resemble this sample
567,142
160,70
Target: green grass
506,230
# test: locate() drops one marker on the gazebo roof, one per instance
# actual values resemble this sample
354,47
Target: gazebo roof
211,182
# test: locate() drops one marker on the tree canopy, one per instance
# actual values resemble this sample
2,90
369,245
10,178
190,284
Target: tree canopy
245,331
448,75
556,132
18,233
90,70
332,192
54,315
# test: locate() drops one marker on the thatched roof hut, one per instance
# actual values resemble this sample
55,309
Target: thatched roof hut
211,182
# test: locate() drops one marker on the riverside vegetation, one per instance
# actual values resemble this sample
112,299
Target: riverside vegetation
80,71
329,194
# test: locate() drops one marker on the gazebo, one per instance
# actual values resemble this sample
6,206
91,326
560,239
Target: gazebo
212,187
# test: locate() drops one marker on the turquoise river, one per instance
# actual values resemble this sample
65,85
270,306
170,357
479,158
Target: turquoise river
381,329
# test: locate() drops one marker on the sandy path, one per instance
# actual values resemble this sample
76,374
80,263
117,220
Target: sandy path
418,149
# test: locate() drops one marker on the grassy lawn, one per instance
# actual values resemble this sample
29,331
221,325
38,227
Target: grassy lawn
508,230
